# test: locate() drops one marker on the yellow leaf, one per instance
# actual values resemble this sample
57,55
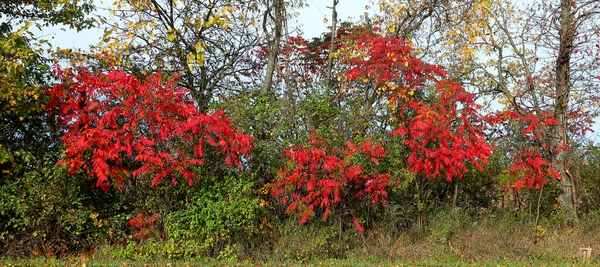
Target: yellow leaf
200,58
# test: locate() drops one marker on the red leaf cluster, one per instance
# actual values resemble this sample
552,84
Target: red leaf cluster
442,133
388,59
530,167
114,118
537,123
306,61
443,139
145,225
319,178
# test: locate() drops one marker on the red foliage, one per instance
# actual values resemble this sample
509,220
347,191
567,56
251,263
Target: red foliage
442,139
113,119
443,133
145,226
438,118
358,226
320,178
530,167
389,59
306,61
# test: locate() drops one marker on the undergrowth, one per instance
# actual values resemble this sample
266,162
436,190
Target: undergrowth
451,237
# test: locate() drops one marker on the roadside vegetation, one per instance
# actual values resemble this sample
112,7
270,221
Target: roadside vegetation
211,133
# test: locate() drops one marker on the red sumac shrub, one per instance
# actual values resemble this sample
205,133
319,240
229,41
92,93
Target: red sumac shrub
113,118
318,178
439,120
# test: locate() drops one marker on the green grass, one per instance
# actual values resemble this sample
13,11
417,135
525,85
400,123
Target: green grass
328,262
449,240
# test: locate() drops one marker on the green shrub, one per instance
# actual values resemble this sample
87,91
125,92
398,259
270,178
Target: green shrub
220,213
45,213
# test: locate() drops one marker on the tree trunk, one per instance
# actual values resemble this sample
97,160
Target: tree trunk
273,42
559,138
332,45
422,195
455,196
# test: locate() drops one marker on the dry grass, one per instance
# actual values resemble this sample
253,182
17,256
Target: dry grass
485,239
450,238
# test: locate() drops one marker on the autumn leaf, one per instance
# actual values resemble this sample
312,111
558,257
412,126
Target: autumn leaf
98,123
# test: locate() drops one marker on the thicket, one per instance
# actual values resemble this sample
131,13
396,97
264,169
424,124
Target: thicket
382,156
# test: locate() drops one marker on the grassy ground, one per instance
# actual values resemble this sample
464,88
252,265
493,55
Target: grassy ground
450,239
332,262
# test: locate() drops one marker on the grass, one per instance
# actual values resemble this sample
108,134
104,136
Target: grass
328,262
450,239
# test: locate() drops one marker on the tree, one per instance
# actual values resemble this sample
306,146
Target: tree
273,42
437,119
534,64
118,126
572,30
24,75
540,84
446,32
208,43
69,13
332,42
29,145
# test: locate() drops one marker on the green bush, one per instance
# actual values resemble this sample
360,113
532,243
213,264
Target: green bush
45,213
222,212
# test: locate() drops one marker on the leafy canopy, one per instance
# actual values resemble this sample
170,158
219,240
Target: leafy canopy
119,126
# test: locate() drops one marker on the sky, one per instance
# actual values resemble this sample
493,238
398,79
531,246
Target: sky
311,18
310,21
